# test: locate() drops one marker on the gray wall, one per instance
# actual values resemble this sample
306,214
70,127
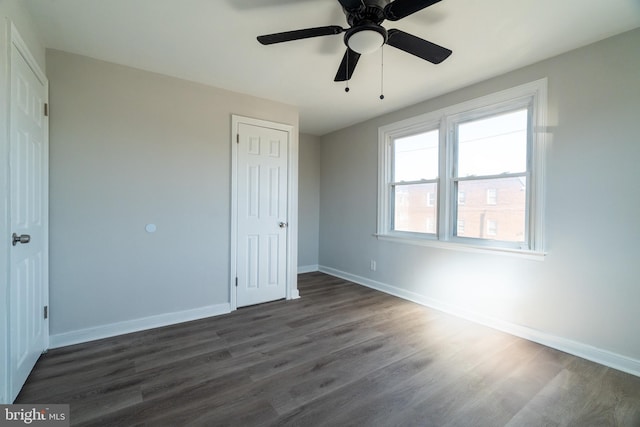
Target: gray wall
128,148
586,292
308,202
10,11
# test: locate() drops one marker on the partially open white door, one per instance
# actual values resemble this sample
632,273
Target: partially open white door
262,173
29,156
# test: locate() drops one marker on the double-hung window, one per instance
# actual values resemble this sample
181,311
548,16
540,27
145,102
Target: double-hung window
469,176
414,182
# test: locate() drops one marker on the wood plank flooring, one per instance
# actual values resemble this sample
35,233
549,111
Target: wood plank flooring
342,355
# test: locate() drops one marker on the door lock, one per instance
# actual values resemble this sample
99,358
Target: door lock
15,239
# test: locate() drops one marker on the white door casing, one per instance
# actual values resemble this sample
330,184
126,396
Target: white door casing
262,213
28,182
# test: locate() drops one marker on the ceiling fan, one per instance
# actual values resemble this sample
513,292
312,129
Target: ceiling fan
366,35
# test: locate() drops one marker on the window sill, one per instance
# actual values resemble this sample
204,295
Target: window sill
463,247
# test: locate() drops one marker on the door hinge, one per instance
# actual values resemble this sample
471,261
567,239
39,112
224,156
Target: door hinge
236,282
46,311
46,109
237,138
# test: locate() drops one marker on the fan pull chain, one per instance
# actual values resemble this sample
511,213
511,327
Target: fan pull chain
382,72
346,70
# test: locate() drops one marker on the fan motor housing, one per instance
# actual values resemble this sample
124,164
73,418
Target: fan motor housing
371,12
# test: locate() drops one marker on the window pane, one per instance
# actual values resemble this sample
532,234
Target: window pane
414,209
416,157
500,218
493,145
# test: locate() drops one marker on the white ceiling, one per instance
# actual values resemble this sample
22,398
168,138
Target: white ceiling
214,42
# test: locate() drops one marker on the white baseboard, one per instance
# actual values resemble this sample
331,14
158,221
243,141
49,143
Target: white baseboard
585,351
136,325
307,268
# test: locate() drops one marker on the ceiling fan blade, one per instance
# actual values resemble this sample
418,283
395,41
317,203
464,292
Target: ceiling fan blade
347,66
300,34
417,46
398,9
351,4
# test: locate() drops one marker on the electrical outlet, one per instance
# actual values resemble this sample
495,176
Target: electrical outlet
373,265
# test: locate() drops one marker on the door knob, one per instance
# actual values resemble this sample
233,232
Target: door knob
15,239
283,224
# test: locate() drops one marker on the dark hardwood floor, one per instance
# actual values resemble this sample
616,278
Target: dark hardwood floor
341,355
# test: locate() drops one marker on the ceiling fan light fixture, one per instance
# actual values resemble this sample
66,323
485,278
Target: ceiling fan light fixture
366,39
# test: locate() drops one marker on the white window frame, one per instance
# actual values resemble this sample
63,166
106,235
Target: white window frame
431,199
492,196
492,227
431,226
533,95
462,200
